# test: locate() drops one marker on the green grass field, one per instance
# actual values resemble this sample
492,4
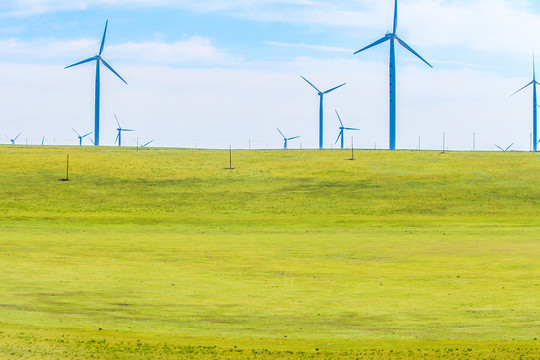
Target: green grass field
164,254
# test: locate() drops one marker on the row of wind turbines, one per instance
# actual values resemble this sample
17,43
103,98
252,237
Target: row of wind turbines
388,37
118,140
341,135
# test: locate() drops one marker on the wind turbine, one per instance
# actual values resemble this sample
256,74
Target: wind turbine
13,140
285,139
508,148
535,107
392,37
119,136
98,59
80,136
342,129
141,145
321,95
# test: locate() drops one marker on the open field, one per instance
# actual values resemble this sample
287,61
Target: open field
163,254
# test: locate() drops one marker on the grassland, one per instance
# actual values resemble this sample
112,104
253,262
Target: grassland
163,254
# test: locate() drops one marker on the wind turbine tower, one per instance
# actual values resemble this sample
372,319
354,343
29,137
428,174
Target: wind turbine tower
98,59
535,107
321,95
392,37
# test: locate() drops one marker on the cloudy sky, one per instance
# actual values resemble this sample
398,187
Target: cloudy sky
211,73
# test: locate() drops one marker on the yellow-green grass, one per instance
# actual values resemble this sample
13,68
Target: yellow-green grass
401,254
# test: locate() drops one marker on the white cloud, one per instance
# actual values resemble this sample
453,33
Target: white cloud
480,25
45,48
196,50
308,46
193,50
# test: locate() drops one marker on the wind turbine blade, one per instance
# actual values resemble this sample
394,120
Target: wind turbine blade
339,135
296,137
411,50
380,41
353,129
87,134
310,84
117,137
339,118
117,121
110,68
148,143
534,69
8,137
103,40
499,147
16,137
75,131
395,17
82,62
529,84
337,87
281,133
508,148
127,130
92,141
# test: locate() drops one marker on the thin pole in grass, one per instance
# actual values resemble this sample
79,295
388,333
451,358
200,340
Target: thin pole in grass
230,159
352,148
67,170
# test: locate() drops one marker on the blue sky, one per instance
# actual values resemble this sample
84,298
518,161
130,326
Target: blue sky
213,73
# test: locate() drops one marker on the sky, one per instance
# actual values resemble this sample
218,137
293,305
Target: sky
214,74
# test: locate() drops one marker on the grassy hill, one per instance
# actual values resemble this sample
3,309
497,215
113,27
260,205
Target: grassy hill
293,254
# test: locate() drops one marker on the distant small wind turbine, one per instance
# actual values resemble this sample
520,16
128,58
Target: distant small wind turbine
393,94
508,148
535,107
286,139
80,136
321,114
13,140
120,129
342,129
141,145
98,60
42,141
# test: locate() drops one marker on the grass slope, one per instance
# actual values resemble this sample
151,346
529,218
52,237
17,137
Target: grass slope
395,255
